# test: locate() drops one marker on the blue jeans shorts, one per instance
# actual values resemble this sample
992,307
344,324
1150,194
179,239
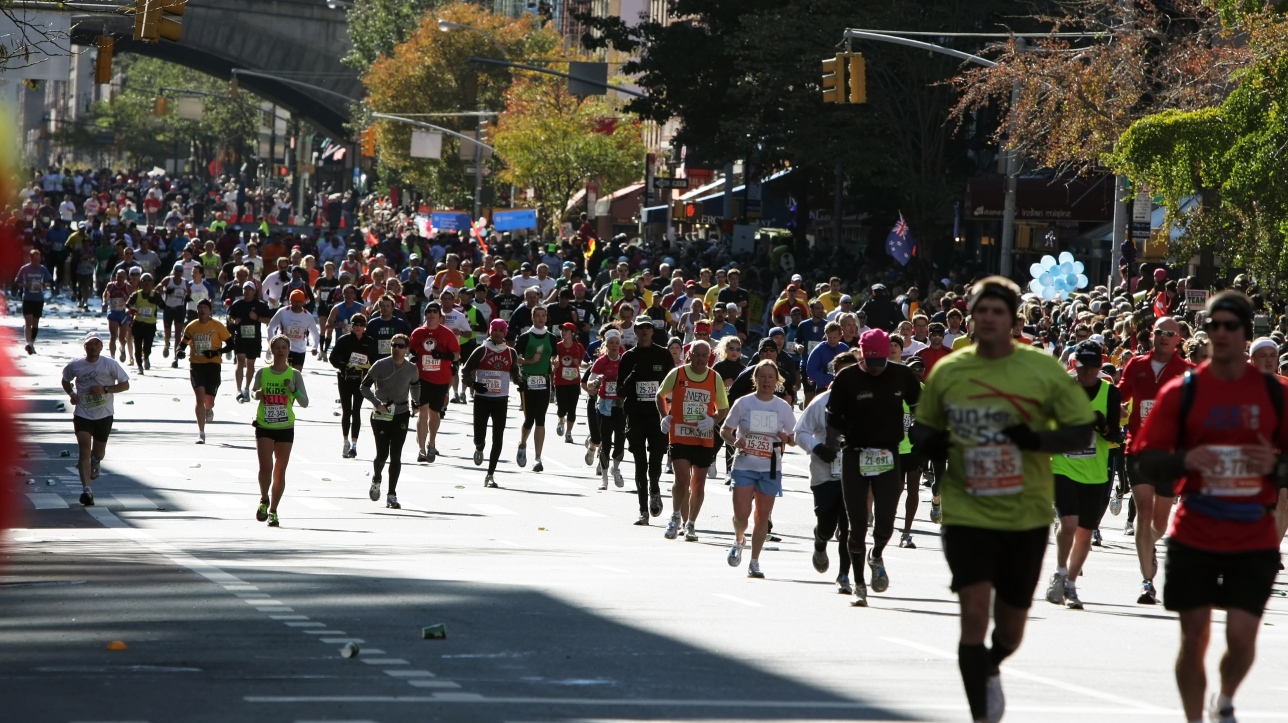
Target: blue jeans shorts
766,485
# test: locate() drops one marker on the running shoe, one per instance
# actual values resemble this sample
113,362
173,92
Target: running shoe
345,453
905,541
670,469
147,363
1217,714
819,560
201,437
210,416
1129,529
478,456
538,467
353,450
521,458
391,502
617,477
165,353
568,438
880,580
93,467
1148,596
431,454
175,364
753,570
735,553
420,456
995,702
672,527
273,521
1071,600
87,497
655,505
30,349
559,428
261,512
489,482
771,537
860,595
1096,539
590,453
934,512
603,481
1115,504
690,535
374,492
643,520
1055,590
843,585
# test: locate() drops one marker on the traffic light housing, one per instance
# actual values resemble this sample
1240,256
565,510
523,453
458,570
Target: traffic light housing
369,142
485,132
834,79
159,107
103,63
858,77
152,20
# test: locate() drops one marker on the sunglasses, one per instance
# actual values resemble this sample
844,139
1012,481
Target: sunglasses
733,348
1169,333
1214,324
398,346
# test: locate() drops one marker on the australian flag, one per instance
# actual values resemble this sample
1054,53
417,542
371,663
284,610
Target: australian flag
899,243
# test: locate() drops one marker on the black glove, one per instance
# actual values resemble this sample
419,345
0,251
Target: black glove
825,453
1100,424
480,388
181,353
437,354
210,353
1023,437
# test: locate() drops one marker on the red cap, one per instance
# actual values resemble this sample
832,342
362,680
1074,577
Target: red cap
299,295
569,326
875,343
702,326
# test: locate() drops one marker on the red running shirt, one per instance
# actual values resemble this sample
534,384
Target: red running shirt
425,340
1139,384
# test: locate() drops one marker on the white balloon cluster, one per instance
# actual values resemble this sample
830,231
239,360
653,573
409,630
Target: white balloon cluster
1055,280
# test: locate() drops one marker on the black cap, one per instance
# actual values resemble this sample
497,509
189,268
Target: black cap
767,343
1088,354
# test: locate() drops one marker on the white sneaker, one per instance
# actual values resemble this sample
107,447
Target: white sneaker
996,702
1055,591
210,416
201,437
672,527
689,534
617,476
346,449
559,429
603,480
735,553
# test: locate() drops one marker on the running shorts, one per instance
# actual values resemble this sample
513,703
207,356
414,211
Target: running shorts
1229,580
34,308
98,429
296,359
285,435
1010,560
250,347
172,315
434,395
118,317
205,376
695,455
761,481
1165,488
1087,502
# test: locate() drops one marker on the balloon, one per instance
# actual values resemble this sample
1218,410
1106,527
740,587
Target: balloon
1066,257
1082,281
1071,280
1045,279
1035,270
1048,261
1035,287
1066,268
1078,267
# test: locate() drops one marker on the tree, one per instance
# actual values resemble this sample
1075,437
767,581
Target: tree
1219,168
27,39
376,27
430,73
552,141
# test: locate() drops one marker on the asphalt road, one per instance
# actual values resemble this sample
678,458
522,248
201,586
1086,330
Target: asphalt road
556,607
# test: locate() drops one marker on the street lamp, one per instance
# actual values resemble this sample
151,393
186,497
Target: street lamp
448,26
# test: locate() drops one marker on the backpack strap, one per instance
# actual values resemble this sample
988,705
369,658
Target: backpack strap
1273,389
1188,391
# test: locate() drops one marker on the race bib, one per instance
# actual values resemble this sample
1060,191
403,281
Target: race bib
993,470
536,384
836,467
581,315
89,400
811,345
248,330
275,414
1088,452
908,419
1146,407
1231,476
116,304
147,312
200,343
610,389
645,391
873,462
295,333
430,364
689,431
758,445
570,373
696,402
506,315
378,417
493,384
36,285
384,347
357,360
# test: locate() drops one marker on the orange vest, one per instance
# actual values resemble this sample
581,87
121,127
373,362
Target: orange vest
693,400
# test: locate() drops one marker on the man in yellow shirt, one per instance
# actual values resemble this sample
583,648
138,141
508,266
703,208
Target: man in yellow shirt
832,297
209,339
709,298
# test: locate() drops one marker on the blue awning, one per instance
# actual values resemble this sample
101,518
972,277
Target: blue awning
654,214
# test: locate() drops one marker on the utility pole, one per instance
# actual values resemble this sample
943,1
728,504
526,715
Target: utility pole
478,165
1012,181
1120,227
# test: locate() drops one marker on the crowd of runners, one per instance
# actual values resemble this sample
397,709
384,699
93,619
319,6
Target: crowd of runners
1017,413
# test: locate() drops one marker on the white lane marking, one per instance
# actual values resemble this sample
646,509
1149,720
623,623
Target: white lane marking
229,502
512,544
314,503
623,702
76,472
341,641
325,475
384,661
323,632
739,600
1013,673
266,603
288,617
580,512
409,673
135,502
232,588
422,683
164,471
493,510
306,625
277,609
47,501
611,569
249,595
210,572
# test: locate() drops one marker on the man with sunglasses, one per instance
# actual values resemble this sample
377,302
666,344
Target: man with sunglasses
1220,431
1139,383
436,348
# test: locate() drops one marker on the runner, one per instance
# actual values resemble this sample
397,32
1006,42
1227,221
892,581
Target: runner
436,349
278,388
536,347
1139,383
1082,479
143,306
911,461
388,385
337,320
246,316
759,426
697,392
1218,430
867,408
207,337
824,447
97,380
640,372
175,290
491,369
384,326
990,409
115,296
566,370
351,356
298,325
33,279
608,416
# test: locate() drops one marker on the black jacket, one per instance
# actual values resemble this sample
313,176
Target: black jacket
343,350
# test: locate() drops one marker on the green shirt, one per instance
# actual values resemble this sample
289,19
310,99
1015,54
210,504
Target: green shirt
989,482
277,406
527,345
1089,465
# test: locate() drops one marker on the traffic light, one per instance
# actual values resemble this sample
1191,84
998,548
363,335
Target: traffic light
159,107
152,21
485,133
234,88
103,63
369,142
858,78
834,79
